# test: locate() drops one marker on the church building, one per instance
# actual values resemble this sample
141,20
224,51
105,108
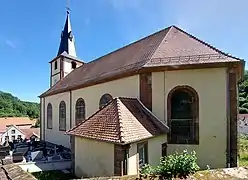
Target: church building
166,92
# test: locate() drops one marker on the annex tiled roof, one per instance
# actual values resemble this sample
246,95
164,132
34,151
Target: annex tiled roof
121,121
168,47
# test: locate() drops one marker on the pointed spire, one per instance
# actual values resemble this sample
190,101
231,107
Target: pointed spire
67,42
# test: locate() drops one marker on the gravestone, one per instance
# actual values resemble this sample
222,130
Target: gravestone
36,155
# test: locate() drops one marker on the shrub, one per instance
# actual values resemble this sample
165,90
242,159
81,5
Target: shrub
176,165
148,170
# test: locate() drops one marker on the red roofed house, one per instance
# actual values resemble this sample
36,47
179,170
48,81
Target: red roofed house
19,122
12,128
122,109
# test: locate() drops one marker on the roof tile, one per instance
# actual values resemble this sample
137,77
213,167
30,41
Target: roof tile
123,120
168,47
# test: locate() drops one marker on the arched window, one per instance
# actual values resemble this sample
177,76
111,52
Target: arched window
49,116
183,115
80,110
62,116
105,99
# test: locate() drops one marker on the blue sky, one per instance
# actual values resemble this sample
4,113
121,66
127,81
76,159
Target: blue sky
30,32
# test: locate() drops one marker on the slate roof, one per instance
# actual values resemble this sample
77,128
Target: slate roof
121,121
67,40
169,47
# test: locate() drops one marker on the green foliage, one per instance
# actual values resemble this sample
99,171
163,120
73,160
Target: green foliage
176,165
11,106
243,95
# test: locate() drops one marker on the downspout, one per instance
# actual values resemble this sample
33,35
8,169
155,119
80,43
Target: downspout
228,118
72,138
41,117
70,109
44,117
165,101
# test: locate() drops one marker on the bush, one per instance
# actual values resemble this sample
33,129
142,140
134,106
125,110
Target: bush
176,165
148,170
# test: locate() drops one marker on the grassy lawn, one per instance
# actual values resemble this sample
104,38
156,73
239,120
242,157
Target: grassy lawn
52,175
243,150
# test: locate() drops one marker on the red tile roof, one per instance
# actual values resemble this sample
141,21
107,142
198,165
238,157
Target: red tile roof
17,121
123,120
168,47
30,132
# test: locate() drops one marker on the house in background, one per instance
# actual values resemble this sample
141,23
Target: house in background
187,84
20,122
14,133
32,133
11,127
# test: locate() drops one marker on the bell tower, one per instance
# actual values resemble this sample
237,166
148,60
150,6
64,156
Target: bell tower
66,59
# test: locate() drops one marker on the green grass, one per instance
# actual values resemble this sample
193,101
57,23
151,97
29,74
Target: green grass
243,150
52,175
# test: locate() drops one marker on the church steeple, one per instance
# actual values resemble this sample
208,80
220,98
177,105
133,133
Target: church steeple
67,43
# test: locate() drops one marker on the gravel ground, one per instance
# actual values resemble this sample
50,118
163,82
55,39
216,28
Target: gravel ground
227,173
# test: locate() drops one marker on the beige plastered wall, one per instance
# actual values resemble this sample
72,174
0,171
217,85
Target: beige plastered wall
154,153
93,158
210,84
126,87
54,135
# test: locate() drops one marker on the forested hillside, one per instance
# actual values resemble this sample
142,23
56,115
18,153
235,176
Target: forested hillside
11,106
243,95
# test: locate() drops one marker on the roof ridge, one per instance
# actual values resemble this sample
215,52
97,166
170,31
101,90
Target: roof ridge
121,131
159,45
100,58
130,44
206,44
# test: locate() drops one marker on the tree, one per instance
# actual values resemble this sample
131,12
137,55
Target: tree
243,95
11,106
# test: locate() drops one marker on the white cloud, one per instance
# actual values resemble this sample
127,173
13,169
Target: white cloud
10,43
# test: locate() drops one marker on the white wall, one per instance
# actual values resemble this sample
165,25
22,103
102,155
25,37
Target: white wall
9,133
67,65
55,72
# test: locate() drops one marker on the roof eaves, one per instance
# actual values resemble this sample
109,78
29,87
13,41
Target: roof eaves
166,128
117,75
55,58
